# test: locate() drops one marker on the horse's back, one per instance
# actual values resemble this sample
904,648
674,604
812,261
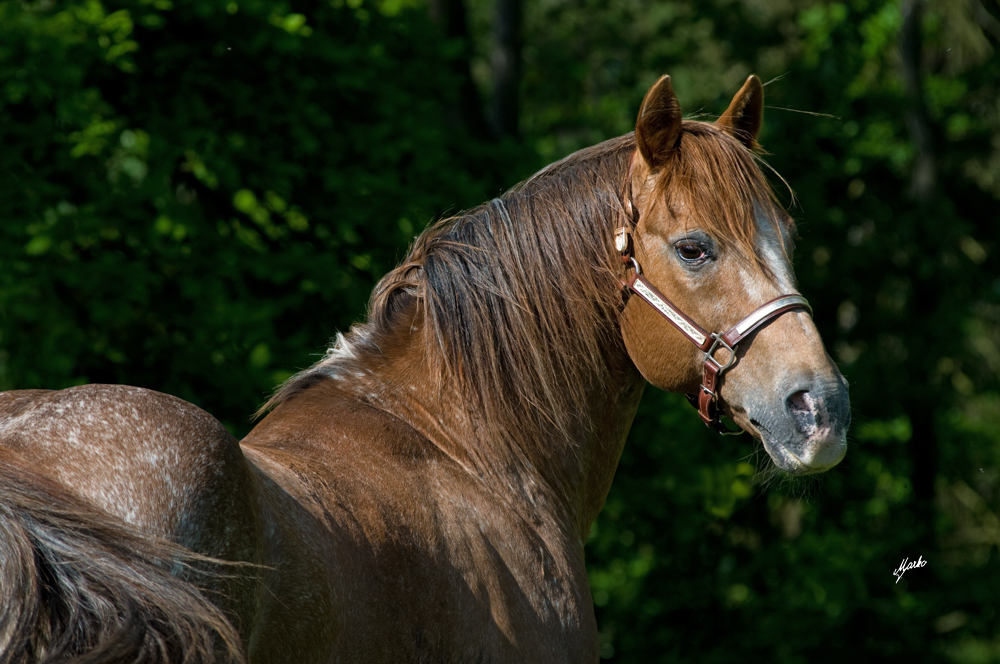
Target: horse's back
134,452
157,462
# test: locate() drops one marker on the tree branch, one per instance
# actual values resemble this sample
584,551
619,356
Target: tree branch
450,17
918,123
506,61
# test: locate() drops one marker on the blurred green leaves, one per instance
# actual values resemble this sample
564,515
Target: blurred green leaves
192,187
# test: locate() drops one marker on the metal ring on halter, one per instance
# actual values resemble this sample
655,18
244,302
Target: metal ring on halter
635,264
710,353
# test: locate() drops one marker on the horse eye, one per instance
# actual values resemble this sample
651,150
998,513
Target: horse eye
691,252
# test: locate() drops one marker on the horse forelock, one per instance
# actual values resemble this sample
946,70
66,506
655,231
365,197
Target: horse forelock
720,183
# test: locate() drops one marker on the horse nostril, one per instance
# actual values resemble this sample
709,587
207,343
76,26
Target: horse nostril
802,408
800,401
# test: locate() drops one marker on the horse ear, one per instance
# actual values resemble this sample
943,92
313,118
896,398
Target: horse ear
743,118
659,123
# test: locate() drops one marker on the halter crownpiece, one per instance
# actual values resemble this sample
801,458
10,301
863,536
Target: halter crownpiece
709,342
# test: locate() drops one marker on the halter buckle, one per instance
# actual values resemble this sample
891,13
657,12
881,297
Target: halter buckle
710,353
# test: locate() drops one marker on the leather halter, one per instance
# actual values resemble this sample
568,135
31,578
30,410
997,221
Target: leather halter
708,342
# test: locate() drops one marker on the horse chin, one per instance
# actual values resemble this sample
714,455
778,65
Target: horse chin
801,454
807,457
818,456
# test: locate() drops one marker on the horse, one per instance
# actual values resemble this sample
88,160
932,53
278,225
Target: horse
423,492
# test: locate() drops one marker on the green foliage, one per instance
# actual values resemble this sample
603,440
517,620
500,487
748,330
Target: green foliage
197,195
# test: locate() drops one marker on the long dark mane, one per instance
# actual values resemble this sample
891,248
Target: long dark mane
504,289
519,298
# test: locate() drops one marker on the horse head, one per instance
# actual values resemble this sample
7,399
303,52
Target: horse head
707,230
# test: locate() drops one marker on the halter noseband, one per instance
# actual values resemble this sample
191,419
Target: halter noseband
708,342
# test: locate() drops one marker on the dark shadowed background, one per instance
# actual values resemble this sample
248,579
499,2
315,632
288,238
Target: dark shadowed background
195,195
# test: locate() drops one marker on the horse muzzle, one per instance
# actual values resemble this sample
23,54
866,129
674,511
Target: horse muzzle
807,433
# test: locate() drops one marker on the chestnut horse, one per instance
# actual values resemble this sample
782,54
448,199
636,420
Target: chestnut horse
424,492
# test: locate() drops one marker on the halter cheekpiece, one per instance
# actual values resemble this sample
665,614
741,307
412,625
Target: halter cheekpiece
708,342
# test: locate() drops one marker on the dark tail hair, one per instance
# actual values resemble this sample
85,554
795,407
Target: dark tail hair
78,585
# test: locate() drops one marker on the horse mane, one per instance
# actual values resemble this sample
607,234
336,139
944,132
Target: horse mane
520,297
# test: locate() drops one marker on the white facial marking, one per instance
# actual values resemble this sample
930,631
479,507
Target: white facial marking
771,248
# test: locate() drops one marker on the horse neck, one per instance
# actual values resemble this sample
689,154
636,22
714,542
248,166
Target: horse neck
547,474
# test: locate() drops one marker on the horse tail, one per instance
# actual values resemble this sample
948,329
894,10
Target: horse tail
78,585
